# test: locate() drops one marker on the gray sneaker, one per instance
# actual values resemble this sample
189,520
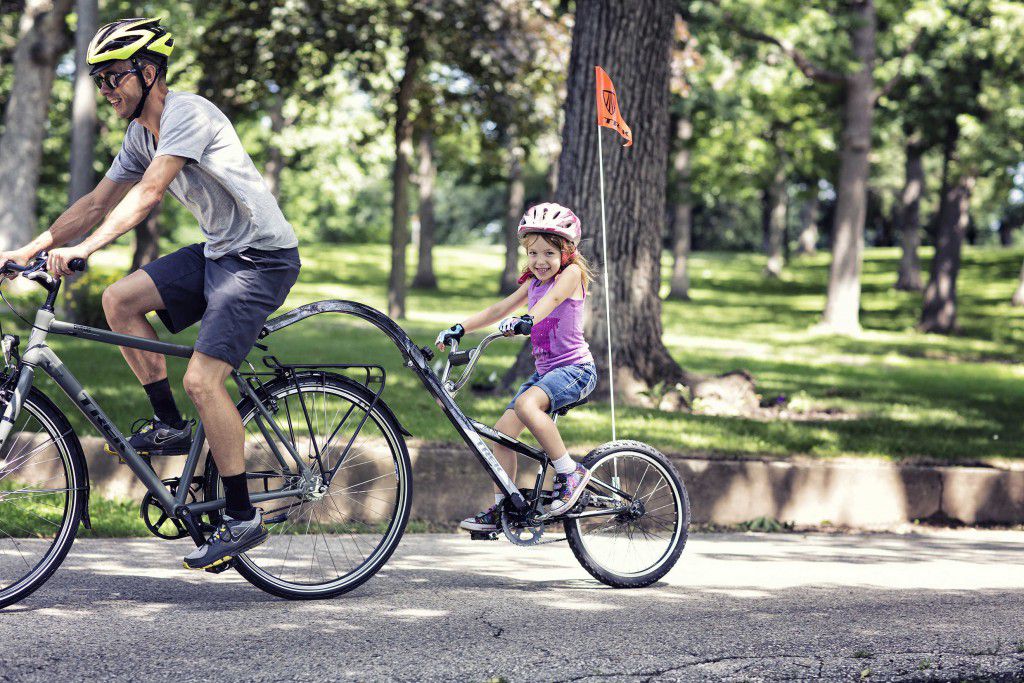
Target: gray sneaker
232,538
153,437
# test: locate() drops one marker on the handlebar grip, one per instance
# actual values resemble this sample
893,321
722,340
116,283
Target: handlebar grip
458,358
77,264
524,326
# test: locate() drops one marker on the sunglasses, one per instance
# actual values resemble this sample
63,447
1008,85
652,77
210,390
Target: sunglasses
112,79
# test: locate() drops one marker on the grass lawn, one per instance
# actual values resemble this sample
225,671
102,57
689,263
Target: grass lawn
899,394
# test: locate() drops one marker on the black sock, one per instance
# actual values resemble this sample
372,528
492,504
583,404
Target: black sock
164,407
236,495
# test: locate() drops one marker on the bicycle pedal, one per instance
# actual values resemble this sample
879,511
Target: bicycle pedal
483,535
223,565
110,451
275,520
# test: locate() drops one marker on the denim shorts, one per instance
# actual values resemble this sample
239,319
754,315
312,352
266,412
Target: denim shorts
231,295
563,385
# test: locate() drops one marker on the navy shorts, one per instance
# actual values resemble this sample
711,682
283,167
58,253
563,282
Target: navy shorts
563,385
232,295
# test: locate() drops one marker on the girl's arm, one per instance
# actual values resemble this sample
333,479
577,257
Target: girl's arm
496,312
565,286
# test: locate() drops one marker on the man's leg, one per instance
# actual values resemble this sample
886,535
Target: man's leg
204,382
126,303
242,527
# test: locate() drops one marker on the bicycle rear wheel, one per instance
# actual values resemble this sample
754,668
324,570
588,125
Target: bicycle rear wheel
639,544
329,542
42,496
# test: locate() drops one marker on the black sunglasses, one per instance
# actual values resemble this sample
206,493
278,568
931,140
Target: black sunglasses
112,79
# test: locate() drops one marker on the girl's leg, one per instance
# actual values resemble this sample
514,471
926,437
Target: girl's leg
531,409
511,425
571,478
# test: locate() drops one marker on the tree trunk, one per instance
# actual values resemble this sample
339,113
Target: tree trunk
631,41
807,243
551,179
400,172
83,108
513,213
909,277
776,222
1018,294
426,177
842,307
938,312
275,157
682,219
83,140
522,367
147,239
43,37
1006,228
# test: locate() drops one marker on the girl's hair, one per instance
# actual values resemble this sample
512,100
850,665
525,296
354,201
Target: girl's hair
570,254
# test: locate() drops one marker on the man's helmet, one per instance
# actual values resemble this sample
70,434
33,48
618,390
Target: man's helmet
129,39
553,219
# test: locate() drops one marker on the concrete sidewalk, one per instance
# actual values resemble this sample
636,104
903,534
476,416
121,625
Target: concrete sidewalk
939,605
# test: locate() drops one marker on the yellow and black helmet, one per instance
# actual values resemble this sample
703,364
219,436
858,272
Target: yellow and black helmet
129,39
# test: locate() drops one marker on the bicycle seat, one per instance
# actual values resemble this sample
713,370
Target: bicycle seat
566,408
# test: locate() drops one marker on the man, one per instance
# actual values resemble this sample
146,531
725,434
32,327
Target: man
180,142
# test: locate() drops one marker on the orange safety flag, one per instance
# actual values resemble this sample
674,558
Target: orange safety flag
608,114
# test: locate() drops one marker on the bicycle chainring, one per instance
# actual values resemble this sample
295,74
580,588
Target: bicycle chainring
519,532
159,523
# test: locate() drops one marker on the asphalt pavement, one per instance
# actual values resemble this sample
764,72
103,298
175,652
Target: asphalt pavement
938,605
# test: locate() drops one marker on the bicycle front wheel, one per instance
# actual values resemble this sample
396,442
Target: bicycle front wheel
640,542
42,496
329,541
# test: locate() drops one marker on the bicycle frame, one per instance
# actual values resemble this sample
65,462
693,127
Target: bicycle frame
469,429
39,355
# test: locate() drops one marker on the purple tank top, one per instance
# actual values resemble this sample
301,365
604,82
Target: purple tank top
557,340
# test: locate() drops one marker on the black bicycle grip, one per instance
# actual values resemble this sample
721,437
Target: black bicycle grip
524,325
77,264
458,358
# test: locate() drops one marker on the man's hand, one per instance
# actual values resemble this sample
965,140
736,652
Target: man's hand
58,261
18,256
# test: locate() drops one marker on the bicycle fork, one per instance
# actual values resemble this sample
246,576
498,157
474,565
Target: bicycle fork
18,393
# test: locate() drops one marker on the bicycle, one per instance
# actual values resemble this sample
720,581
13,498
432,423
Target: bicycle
325,457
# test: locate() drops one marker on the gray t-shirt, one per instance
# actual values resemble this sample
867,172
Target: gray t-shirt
219,183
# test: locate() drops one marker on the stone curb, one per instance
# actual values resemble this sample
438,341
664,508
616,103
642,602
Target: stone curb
448,484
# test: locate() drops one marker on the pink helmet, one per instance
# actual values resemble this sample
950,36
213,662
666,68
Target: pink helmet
551,218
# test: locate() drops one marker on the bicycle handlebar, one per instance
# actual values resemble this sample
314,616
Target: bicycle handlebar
469,357
39,264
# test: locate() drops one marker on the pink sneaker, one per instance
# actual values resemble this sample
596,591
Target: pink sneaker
568,489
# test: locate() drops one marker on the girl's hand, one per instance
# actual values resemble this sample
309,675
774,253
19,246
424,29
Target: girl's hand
508,326
446,336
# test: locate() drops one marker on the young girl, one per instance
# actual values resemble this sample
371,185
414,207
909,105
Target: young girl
553,286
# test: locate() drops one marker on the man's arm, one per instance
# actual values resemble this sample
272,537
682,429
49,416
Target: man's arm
129,212
76,220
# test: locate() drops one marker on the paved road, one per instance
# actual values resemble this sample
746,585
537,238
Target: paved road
942,605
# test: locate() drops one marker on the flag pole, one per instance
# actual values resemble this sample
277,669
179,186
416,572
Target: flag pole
607,290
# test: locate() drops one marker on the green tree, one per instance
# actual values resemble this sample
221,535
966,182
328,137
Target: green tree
846,56
981,57
42,37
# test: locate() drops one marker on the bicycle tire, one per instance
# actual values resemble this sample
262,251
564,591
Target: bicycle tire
72,468
594,558
254,567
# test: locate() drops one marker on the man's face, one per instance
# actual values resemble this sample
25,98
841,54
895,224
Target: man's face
124,97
